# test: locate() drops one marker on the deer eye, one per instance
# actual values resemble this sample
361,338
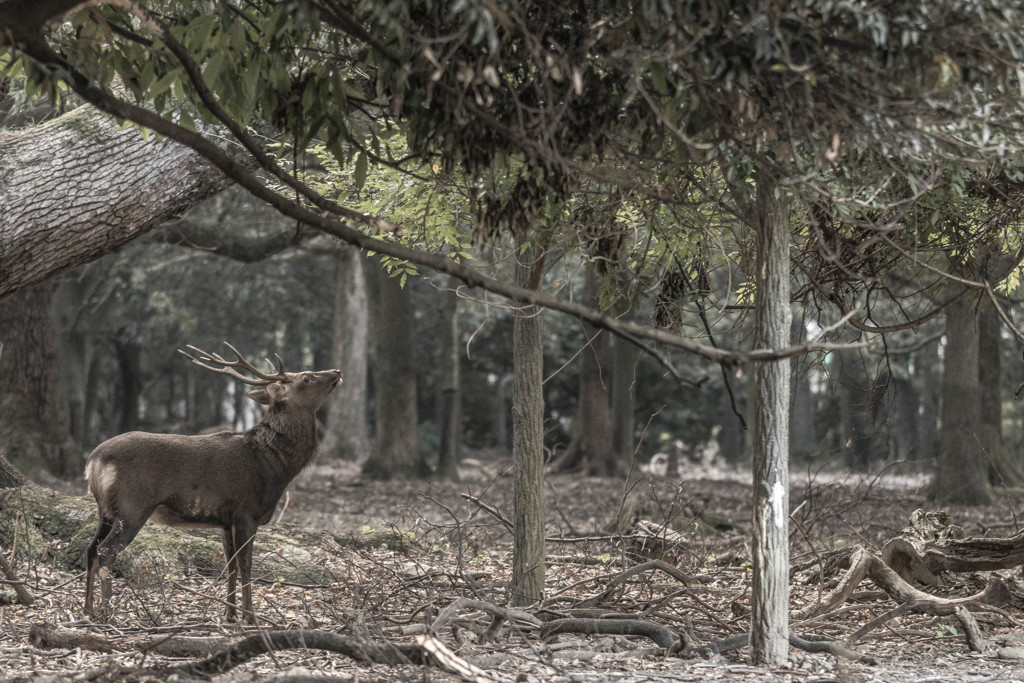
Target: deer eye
306,378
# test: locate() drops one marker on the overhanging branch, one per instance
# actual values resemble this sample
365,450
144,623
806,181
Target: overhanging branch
37,48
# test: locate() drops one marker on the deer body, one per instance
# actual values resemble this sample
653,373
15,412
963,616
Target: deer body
227,480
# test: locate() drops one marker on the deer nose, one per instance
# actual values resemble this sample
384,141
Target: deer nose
337,377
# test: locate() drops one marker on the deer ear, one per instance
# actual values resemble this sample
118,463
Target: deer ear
260,396
279,392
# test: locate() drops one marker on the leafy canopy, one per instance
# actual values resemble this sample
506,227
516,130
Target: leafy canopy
662,114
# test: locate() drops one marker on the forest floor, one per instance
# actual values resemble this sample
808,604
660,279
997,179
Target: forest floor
396,555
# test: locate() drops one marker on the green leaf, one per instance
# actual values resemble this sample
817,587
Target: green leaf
361,166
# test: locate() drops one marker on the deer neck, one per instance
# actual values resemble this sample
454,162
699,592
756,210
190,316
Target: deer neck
289,442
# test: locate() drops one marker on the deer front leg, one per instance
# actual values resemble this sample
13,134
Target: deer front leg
231,557
244,533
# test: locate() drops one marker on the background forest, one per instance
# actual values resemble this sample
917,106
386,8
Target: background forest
554,237
203,279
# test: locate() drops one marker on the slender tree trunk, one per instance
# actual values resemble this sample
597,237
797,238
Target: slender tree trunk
347,435
1002,470
595,420
129,364
962,473
926,371
396,442
804,441
450,405
769,635
77,188
528,441
732,438
623,398
34,430
856,423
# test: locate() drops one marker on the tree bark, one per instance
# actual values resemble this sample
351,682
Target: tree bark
804,440
769,637
396,453
926,372
1003,471
34,430
962,473
76,188
528,440
129,364
595,420
450,405
10,477
348,432
623,397
856,423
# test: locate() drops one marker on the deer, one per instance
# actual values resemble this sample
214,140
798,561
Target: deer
231,480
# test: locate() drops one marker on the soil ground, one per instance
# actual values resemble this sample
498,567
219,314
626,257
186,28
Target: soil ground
396,554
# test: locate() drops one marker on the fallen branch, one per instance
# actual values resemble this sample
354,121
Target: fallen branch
742,640
867,628
499,615
47,636
424,652
975,641
222,656
661,636
676,573
833,648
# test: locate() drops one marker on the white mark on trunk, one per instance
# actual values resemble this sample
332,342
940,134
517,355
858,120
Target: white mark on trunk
778,504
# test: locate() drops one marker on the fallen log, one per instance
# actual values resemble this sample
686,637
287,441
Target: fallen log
932,544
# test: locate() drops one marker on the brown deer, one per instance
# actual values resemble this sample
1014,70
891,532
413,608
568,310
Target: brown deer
227,479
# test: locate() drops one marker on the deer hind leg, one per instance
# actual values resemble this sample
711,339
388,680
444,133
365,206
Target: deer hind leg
92,559
120,533
231,557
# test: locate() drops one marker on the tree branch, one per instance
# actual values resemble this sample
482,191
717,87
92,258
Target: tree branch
37,48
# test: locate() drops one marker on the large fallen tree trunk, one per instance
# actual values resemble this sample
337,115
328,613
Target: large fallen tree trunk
933,544
77,187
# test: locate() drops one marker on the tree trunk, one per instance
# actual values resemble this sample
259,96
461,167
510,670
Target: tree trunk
450,408
34,431
769,634
856,423
528,440
129,364
962,473
347,435
623,398
926,372
595,420
804,441
1003,471
77,188
396,453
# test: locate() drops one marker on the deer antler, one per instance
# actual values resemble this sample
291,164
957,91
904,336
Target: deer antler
227,367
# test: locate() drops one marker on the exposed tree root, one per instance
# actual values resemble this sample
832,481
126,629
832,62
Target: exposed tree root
865,565
24,597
